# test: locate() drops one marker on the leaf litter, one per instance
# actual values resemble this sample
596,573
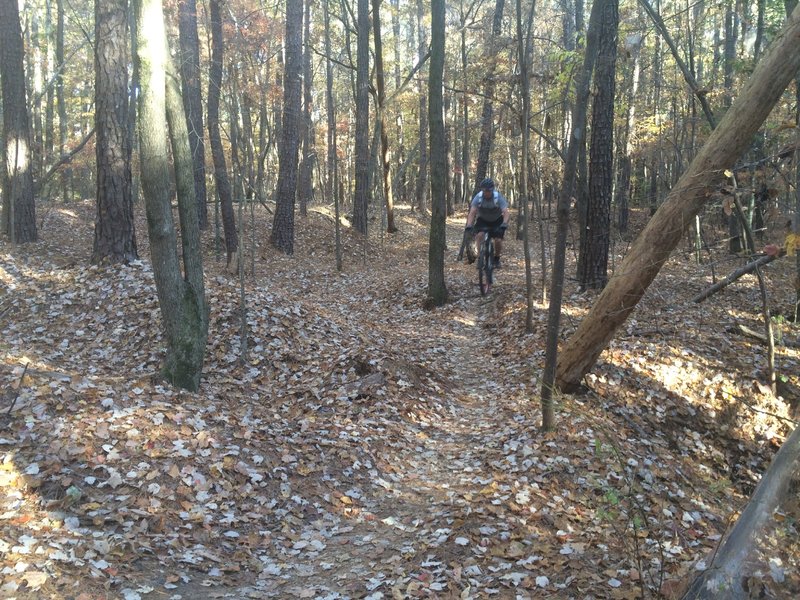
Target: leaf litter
367,448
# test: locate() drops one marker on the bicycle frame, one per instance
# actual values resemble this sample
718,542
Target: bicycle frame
486,261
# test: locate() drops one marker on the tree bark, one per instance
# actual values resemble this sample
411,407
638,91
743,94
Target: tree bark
563,206
19,208
61,104
189,55
437,288
361,198
401,145
305,190
422,176
664,231
283,222
181,300
596,241
114,232
224,192
487,116
333,168
380,81
523,51
465,158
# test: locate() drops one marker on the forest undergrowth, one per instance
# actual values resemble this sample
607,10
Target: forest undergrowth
361,446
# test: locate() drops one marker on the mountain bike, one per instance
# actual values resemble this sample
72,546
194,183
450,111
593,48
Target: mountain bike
486,260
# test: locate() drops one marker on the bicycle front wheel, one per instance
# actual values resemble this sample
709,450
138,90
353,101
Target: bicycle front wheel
485,268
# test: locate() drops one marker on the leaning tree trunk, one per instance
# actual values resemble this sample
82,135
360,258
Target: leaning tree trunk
180,297
725,577
114,232
19,208
665,229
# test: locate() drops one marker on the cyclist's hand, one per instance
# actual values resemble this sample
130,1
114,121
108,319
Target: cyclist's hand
504,226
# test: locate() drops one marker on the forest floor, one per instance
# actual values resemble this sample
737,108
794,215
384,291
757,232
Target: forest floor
367,447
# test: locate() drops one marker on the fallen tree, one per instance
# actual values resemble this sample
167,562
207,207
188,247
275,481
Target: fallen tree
727,576
723,283
665,229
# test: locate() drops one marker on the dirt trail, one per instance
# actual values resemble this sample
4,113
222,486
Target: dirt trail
416,532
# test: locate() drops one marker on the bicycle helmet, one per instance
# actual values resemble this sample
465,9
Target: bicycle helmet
487,184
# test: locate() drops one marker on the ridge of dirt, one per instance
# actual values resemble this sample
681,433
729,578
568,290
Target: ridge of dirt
368,448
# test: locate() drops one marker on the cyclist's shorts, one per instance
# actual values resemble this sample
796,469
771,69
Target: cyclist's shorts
493,226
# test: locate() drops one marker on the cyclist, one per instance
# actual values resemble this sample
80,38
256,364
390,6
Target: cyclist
489,210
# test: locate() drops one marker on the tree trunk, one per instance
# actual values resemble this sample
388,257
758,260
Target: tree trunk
464,110
361,198
19,208
437,289
61,104
487,116
401,147
724,577
189,60
333,169
564,201
523,51
664,231
386,170
595,244
626,147
224,192
304,183
49,118
422,176
283,222
114,233
790,6
181,300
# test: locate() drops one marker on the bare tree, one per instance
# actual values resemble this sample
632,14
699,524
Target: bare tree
283,222
487,116
224,192
380,80
564,201
305,189
19,207
421,192
361,198
114,232
189,56
331,187
595,237
437,288
181,295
